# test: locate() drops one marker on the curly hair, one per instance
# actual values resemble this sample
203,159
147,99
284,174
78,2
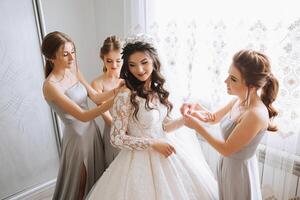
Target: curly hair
136,86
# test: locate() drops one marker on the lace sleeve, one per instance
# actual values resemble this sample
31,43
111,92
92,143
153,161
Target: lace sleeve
121,112
171,125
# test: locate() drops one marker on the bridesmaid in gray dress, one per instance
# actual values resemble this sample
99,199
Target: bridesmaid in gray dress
66,91
110,53
244,121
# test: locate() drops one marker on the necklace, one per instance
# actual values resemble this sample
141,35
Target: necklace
57,81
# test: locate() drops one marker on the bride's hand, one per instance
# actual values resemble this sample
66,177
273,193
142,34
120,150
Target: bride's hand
163,147
203,115
189,107
185,108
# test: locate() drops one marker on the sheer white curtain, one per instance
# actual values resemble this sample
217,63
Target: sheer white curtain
196,41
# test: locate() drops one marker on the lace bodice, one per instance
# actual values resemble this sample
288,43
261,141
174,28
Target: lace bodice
127,132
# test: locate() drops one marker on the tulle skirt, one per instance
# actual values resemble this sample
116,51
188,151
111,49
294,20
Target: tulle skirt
148,175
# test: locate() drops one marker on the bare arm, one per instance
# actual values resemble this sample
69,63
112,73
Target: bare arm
107,118
250,124
95,96
204,115
69,106
98,86
218,115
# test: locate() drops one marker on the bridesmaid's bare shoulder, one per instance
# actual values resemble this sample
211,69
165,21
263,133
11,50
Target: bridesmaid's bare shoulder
97,83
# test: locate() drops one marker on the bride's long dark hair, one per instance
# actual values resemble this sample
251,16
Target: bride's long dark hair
136,86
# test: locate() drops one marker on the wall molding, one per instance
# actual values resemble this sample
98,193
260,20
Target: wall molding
33,193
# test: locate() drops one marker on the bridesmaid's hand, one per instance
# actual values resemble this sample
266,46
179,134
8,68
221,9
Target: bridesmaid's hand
162,147
191,121
203,115
120,87
121,84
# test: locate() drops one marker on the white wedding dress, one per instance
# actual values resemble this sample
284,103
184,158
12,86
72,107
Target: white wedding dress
139,172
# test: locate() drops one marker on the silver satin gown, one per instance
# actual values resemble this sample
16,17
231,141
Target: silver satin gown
238,174
81,143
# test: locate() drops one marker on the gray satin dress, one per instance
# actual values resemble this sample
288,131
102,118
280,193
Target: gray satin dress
110,151
81,144
238,174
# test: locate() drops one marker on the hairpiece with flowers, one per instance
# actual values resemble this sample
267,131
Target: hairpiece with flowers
141,37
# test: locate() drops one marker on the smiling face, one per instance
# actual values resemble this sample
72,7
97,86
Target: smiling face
65,56
112,61
235,83
140,65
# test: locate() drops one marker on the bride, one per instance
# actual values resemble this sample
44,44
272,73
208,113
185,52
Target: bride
150,166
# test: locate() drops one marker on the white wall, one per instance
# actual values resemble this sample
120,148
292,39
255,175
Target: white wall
77,19
109,18
28,149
